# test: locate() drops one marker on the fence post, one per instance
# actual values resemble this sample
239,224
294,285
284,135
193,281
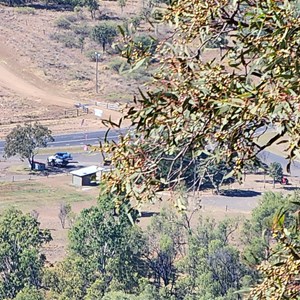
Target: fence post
77,112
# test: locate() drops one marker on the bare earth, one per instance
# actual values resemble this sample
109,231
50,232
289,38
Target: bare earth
38,76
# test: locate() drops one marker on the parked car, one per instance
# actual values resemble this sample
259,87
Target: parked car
63,155
59,159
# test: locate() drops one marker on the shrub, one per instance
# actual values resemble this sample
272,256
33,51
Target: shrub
25,10
145,43
118,64
71,18
82,30
104,33
62,22
91,55
69,41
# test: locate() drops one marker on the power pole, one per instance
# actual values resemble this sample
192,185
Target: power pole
97,55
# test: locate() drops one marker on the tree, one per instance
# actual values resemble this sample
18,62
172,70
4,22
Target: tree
92,6
122,4
104,34
65,210
281,271
257,232
214,106
21,262
212,268
165,244
25,141
70,278
276,172
114,249
29,294
105,254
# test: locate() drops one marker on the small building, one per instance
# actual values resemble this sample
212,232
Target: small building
88,175
84,176
39,166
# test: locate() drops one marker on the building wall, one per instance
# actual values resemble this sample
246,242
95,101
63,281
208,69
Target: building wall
76,180
86,180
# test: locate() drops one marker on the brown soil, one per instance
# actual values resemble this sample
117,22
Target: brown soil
42,80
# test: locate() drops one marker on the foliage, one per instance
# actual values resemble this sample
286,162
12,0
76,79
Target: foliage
122,4
65,211
26,10
212,268
214,106
220,42
257,231
165,243
145,43
118,65
82,30
29,294
104,34
20,260
63,22
104,255
25,141
68,40
275,171
281,270
70,278
92,6
215,174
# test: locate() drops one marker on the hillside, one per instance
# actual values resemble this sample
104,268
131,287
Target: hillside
41,77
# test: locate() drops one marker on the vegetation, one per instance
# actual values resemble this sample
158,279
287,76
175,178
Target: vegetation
21,262
109,257
210,110
198,122
104,34
276,172
25,141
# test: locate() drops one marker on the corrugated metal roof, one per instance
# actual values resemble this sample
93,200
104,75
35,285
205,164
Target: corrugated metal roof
86,171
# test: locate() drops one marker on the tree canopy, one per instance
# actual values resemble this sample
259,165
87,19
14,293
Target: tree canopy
206,104
25,141
20,259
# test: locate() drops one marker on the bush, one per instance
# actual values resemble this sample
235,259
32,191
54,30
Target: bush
82,30
25,10
91,55
145,43
62,22
71,18
104,33
69,41
118,64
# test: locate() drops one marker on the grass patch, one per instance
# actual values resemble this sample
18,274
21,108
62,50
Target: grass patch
29,195
52,150
25,10
20,169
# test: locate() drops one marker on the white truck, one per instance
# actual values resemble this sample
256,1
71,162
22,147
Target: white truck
59,159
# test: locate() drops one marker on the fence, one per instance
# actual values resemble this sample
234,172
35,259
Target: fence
111,106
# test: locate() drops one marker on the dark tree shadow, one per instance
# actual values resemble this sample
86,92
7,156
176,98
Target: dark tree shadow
51,6
290,188
239,193
148,214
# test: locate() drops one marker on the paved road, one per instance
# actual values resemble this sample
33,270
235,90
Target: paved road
77,139
92,138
